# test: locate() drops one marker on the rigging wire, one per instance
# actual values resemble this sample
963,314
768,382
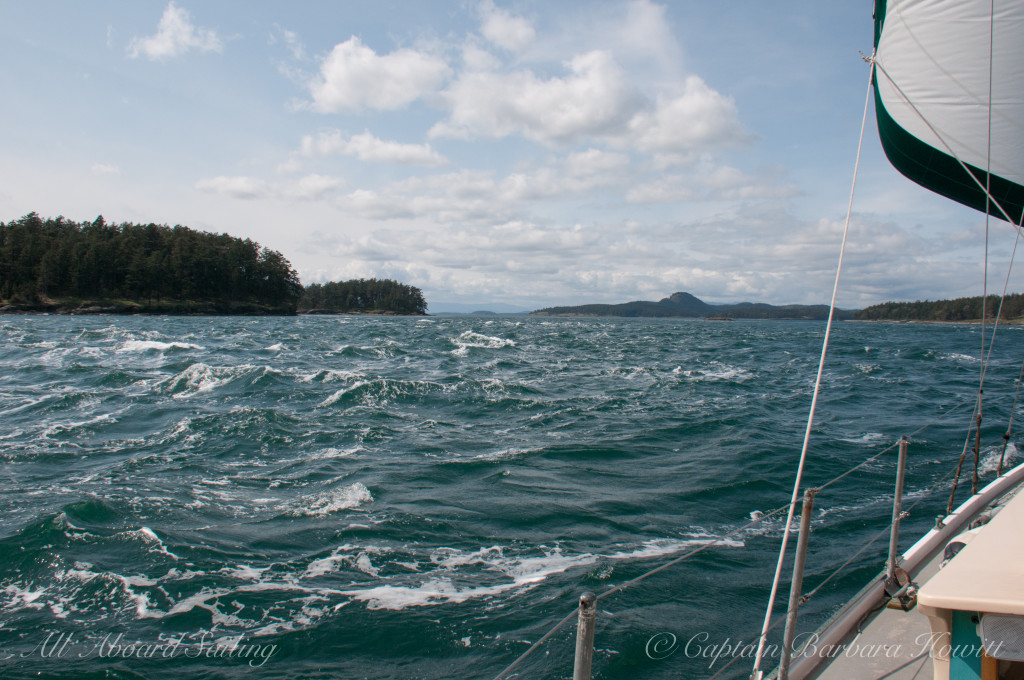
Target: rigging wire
757,674
984,276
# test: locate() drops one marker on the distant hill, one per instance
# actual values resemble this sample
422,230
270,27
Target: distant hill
685,305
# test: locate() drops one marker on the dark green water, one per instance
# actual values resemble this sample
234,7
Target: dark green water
358,497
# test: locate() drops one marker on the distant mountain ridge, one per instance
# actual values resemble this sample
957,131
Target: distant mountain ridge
685,305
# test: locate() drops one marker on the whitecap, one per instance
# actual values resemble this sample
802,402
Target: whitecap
964,358
989,462
200,377
332,452
325,375
146,345
322,504
717,372
244,572
150,537
24,597
434,591
666,546
866,438
340,394
470,339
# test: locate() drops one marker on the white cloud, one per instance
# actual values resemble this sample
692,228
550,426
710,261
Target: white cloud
310,187
353,77
477,197
372,205
291,39
475,58
738,254
236,187
700,118
503,29
457,197
709,181
367,147
175,35
669,189
645,31
102,169
595,99
579,174
593,161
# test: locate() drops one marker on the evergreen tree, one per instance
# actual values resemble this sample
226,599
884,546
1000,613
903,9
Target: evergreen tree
58,259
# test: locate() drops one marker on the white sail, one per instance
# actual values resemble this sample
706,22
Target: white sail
949,93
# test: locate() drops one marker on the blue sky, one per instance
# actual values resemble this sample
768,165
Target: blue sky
491,153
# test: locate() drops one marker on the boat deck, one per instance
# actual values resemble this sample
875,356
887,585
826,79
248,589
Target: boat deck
894,645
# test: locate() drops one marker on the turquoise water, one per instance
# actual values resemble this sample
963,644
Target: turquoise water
376,497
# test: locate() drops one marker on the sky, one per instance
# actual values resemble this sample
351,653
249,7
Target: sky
496,154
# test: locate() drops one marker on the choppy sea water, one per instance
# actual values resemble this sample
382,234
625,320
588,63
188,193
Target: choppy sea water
379,497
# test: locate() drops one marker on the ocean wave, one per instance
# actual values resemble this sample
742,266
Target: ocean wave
866,438
201,378
154,345
343,393
472,339
149,537
381,391
455,571
328,502
326,375
235,598
72,427
450,581
989,460
718,372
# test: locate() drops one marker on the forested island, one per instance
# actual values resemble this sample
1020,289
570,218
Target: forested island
61,266
367,296
958,310
684,305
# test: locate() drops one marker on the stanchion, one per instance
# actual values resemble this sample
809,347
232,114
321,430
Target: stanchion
797,585
585,637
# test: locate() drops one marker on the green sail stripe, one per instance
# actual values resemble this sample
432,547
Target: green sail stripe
879,17
941,173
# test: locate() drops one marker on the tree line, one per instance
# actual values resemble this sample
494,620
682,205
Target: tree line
362,295
960,309
60,259
59,264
